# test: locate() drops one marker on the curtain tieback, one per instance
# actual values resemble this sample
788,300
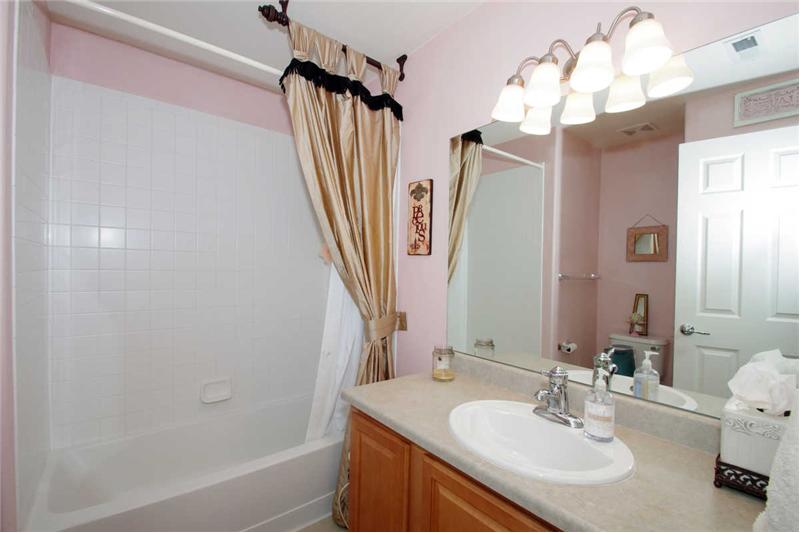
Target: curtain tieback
380,327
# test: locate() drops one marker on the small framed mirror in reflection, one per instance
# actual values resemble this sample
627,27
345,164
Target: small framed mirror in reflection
647,243
638,318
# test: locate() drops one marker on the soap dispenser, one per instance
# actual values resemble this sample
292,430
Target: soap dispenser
646,380
598,413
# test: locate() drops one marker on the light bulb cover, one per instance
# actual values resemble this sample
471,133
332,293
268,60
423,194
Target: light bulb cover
625,94
509,106
544,86
578,109
672,78
537,121
595,70
646,47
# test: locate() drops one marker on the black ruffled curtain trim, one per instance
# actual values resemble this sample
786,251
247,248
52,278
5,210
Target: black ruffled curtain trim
340,85
474,136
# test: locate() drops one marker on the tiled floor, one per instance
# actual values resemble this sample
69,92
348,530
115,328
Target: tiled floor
326,524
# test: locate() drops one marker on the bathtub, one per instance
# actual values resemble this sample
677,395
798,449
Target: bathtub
243,471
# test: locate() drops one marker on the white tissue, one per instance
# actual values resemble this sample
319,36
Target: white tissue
783,365
760,386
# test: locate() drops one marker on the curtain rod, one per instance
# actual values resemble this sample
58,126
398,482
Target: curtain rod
273,15
512,157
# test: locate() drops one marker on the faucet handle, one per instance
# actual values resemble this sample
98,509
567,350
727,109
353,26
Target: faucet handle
557,375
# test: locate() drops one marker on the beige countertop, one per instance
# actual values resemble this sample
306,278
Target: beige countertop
670,490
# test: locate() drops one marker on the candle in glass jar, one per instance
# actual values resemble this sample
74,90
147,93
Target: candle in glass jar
442,363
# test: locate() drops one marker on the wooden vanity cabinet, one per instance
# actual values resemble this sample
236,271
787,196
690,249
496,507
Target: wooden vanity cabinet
397,486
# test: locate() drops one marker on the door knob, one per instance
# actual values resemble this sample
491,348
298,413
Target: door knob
688,329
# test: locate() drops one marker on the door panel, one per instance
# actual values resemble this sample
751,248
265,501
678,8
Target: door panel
443,499
379,469
737,254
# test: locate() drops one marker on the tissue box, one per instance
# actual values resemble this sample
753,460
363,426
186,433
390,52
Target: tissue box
747,447
749,437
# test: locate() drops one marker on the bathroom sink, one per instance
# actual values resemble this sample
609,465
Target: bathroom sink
624,385
510,436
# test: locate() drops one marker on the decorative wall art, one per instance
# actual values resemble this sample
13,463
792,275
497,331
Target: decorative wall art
420,196
772,102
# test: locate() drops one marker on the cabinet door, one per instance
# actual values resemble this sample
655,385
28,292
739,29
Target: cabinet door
444,499
379,470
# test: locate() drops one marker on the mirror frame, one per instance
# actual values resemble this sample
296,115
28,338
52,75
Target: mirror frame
641,298
662,236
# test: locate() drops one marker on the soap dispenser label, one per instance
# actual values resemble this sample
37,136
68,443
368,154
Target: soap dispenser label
599,421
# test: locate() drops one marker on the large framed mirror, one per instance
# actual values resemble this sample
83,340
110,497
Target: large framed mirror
685,207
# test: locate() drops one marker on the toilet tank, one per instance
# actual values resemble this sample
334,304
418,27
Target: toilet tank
640,344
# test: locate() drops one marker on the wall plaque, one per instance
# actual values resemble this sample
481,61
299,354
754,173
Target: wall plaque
420,196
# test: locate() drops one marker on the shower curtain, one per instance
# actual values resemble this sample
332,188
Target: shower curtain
342,340
348,143
466,162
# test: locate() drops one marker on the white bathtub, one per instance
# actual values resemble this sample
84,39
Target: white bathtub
244,471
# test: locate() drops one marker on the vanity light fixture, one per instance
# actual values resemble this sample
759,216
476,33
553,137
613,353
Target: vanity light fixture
509,107
595,70
537,121
625,94
544,86
670,79
578,109
591,69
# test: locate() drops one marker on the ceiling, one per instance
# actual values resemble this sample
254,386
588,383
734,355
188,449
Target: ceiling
382,30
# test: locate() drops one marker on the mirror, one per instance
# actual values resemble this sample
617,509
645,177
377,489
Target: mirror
648,243
638,318
684,207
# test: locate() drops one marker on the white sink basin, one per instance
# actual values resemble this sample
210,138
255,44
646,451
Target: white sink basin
509,435
624,385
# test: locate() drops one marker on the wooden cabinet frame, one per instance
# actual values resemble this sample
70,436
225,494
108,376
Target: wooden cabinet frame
397,486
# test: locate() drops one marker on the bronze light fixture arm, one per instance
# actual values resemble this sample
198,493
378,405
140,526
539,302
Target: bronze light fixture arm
564,44
639,16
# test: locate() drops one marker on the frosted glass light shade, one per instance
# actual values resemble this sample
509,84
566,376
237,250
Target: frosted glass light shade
544,86
646,48
625,94
578,109
509,106
537,121
670,79
594,71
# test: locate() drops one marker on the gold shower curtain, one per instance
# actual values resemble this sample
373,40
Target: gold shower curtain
348,142
466,161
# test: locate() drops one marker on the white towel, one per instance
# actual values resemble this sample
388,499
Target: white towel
782,503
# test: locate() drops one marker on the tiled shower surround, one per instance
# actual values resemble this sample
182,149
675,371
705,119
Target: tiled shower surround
183,248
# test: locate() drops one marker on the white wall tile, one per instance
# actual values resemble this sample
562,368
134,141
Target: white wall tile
34,199
164,268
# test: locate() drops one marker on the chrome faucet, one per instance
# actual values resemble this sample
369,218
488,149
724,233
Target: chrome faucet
557,401
604,368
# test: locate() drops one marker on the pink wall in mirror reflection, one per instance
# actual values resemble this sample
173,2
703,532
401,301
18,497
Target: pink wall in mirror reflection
451,86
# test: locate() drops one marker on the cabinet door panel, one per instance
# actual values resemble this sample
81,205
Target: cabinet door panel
444,499
379,485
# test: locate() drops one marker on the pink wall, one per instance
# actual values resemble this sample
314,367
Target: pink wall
93,59
8,502
451,85
637,179
577,299
709,114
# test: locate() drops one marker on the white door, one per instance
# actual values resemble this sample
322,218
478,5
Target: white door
737,248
